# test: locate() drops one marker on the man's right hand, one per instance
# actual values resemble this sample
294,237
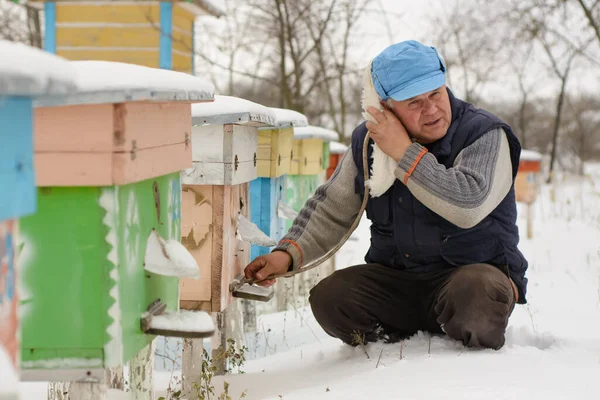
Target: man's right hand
275,263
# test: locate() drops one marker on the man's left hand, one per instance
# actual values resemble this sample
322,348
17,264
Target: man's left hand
388,133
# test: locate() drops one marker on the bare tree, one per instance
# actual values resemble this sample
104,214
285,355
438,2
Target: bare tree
592,15
582,128
472,43
20,23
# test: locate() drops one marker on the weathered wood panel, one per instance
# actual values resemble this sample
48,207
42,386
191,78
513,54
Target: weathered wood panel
228,255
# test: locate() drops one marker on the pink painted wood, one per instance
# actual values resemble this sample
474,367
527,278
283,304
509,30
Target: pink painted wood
8,290
110,144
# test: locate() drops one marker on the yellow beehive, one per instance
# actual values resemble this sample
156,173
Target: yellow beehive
151,33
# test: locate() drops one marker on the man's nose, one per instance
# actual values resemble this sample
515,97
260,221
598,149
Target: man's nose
429,107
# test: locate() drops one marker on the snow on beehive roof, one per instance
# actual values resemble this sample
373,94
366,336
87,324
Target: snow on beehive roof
337,148
530,155
115,82
232,110
315,132
28,71
287,118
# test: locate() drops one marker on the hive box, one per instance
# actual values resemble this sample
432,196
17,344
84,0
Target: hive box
157,34
108,161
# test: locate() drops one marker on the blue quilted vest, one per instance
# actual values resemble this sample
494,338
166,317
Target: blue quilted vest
405,234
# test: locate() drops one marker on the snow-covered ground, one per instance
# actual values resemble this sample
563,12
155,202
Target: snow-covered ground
553,343
552,349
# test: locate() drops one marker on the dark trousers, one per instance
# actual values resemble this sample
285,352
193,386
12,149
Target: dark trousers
471,303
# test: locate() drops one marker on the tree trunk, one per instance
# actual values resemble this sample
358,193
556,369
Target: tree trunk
559,106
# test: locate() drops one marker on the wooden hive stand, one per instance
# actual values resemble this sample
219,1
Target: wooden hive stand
21,81
101,258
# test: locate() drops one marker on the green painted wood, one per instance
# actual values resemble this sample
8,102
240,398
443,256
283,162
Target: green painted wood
298,189
326,154
64,271
83,277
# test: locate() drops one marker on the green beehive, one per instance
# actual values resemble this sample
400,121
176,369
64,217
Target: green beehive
101,259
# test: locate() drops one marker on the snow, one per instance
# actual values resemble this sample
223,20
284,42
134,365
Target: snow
61,363
27,71
8,377
285,211
231,110
337,148
183,321
530,155
249,232
113,82
286,118
552,346
215,7
169,258
315,132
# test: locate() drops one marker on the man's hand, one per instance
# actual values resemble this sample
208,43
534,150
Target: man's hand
388,133
273,263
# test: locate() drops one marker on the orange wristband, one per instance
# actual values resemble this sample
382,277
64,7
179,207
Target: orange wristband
414,165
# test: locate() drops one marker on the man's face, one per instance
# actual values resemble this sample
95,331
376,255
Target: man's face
426,117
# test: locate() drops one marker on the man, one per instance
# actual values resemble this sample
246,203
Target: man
443,255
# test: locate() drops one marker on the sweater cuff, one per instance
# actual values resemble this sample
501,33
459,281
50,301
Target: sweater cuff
292,248
409,161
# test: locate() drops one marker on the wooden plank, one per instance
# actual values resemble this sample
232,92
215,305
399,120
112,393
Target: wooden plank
70,12
220,173
235,252
150,163
183,18
182,62
147,125
220,242
84,128
148,36
18,194
264,144
296,153
197,237
147,58
281,152
73,169
311,157
182,41
224,143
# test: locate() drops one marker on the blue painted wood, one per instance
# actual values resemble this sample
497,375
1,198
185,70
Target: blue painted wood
264,196
255,210
50,27
17,178
166,35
